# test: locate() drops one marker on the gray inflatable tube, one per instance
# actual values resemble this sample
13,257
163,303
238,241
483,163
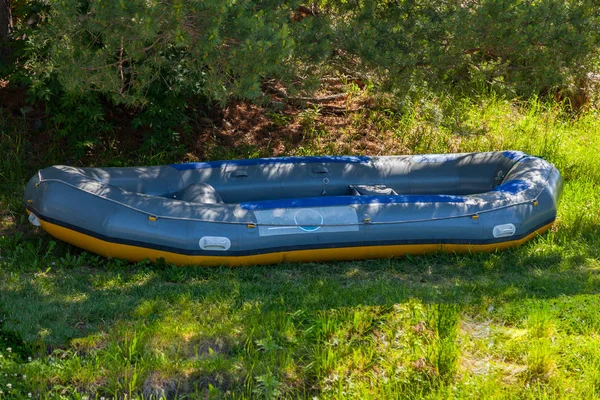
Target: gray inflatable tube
272,210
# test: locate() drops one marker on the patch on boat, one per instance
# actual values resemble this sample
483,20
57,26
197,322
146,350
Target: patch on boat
306,220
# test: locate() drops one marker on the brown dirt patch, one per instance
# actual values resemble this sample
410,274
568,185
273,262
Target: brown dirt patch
7,222
201,347
159,386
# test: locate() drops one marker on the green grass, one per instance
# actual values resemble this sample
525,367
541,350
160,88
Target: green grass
522,323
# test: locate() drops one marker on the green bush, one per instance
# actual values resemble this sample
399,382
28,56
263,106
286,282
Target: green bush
531,47
165,58
128,50
161,58
520,48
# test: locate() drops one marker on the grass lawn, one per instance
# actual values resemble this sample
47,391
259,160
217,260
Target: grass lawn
523,323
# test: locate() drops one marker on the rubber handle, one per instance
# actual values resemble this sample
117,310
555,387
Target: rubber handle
239,174
320,170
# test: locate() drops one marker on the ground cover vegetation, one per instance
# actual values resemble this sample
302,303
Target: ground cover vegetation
153,82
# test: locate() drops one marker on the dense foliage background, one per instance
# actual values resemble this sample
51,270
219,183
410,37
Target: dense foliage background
168,60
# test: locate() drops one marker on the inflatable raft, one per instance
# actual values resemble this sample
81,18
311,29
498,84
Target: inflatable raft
273,210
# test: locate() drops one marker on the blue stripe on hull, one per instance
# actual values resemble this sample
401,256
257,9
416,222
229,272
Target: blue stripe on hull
349,200
272,161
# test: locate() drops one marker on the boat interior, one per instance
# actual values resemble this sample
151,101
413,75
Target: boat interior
393,176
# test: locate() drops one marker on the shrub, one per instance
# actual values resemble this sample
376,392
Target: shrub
129,50
520,48
163,57
155,56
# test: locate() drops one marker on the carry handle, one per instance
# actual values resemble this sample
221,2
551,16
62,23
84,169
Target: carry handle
218,243
320,171
239,174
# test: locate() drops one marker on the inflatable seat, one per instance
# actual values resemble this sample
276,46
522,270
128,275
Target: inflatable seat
199,193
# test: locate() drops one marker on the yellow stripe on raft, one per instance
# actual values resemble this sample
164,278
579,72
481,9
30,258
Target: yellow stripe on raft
135,253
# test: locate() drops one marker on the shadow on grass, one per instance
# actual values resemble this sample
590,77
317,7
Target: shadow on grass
247,328
81,294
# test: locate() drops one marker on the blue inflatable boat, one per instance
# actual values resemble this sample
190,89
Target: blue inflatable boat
274,210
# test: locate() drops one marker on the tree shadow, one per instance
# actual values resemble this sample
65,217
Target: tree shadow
68,302
202,314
